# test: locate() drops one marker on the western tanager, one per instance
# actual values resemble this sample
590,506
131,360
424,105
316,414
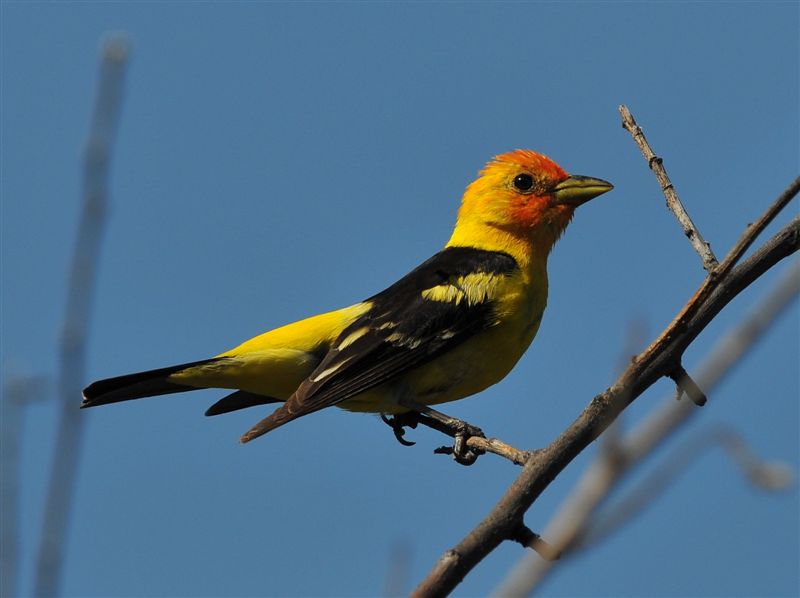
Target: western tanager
450,328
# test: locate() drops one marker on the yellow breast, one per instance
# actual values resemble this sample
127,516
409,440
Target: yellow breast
477,363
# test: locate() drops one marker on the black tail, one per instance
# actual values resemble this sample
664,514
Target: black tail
136,386
241,399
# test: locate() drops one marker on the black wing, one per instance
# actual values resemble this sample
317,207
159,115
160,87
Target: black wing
435,307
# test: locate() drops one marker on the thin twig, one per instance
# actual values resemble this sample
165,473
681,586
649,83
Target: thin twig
498,447
652,364
527,538
398,575
480,444
76,323
686,385
701,246
712,281
18,393
635,338
569,527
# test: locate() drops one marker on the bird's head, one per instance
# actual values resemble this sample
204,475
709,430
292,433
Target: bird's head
523,197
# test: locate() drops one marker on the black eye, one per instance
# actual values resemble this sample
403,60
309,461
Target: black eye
523,182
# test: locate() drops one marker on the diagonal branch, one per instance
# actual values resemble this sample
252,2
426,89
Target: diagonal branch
569,527
653,363
714,279
701,246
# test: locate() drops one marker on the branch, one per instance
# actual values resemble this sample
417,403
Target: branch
713,280
569,527
498,447
687,385
765,475
76,323
701,246
657,361
18,393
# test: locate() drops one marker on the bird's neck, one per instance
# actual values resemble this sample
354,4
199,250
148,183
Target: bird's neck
529,250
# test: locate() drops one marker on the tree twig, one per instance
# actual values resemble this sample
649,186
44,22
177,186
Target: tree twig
97,155
498,447
529,539
686,385
709,286
569,527
701,246
652,364
18,393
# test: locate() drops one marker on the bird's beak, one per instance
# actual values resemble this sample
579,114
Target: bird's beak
577,189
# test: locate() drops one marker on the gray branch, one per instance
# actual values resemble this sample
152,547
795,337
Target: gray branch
81,285
576,524
18,393
655,362
701,246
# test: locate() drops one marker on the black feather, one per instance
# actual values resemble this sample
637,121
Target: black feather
136,386
404,330
241,399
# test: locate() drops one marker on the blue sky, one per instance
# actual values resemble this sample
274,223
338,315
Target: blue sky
276,160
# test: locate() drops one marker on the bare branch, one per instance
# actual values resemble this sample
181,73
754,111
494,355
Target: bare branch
476,444
701,246
569,527
768,476
398,574
18,393
76,323
498,447
635,339
656,361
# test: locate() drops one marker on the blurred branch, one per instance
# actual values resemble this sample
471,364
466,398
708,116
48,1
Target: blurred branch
18,392
635,338
398,574
97,156
765,475
568,528
701,246
660,359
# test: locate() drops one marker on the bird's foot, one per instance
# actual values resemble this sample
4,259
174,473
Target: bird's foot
461,451
459,430
399,422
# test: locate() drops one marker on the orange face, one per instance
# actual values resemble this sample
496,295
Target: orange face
515,191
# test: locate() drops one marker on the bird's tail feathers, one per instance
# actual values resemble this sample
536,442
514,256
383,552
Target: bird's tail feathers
139,385
241,399
282,415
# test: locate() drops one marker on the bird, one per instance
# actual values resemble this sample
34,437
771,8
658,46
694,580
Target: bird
452,327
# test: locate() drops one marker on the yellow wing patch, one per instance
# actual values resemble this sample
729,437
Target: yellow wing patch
472,288
352,337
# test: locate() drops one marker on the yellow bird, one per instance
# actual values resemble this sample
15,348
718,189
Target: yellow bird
453,326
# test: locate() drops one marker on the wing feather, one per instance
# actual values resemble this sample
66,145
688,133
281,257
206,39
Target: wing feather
437,306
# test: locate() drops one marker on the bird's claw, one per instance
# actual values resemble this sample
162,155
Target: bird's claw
460,431
398,423
461,452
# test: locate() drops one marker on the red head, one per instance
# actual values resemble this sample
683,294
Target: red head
522,197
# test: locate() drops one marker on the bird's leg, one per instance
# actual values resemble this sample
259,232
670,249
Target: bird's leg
458,429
